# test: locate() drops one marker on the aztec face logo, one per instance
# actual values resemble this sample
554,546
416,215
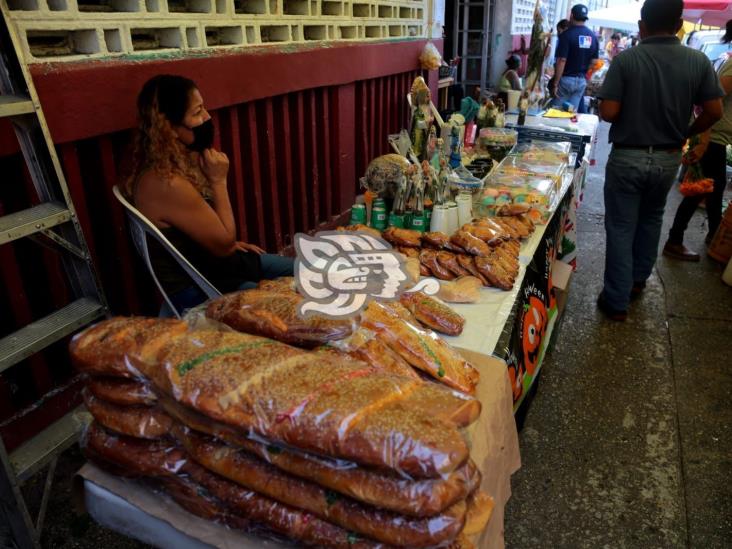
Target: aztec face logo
337,273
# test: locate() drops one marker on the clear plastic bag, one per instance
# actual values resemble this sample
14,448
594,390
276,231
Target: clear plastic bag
209,496
430,58
281,410
310,400
423,349
418,498
136,457
366,346
110,347
252,473
148,422
433,314
275,314
121,391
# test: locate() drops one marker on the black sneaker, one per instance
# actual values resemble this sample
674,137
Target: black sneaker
612,314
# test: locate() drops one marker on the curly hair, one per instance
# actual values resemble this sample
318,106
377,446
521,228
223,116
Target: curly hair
161,104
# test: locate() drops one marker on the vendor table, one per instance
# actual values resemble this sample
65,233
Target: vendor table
515,326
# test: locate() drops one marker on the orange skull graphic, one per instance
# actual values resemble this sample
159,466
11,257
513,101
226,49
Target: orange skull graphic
534,329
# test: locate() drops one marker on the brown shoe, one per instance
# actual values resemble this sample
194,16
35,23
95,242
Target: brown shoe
679,251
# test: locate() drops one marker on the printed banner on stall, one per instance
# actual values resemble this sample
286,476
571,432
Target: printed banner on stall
535,310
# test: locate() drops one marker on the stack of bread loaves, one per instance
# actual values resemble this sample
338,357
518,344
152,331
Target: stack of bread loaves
314,445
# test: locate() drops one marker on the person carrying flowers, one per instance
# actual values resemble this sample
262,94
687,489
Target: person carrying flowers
706,176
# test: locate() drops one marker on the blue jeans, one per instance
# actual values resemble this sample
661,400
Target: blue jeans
273,266
636,186
571,89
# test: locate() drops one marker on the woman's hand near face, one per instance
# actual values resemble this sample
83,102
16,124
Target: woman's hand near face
214,165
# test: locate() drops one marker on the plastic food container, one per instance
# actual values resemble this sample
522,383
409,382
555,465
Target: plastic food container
544,152
497,142
462,181
520,165
500,190
480,167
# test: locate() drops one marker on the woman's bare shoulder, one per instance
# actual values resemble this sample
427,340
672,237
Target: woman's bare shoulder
159,197
154,184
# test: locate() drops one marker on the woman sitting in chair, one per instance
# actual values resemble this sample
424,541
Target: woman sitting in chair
179,183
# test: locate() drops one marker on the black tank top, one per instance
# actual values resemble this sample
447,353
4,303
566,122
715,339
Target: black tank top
225,273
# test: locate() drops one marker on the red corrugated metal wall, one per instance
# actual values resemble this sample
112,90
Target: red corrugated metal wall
294,163
381,109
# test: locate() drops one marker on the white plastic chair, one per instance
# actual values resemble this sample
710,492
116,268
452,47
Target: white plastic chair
140,227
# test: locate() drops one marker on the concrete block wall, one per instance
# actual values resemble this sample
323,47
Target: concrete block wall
72,30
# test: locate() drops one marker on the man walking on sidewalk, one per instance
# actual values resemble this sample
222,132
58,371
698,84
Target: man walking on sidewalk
648,95
577,50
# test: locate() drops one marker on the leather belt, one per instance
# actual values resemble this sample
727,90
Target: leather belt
649,148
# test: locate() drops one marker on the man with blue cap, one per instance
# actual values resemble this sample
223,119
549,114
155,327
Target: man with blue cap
577,50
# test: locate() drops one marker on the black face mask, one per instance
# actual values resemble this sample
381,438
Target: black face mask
203,136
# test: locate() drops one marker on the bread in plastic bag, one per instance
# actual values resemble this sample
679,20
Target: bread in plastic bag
285,284
432,313
291,522
108,347
329,405
195,499
471,244
207,495
428,258
419,498
490,235
121,391
480,509
421,348
465,289
275,315
449,261
148,422
468,263
366,346
135,456
252,473
407,238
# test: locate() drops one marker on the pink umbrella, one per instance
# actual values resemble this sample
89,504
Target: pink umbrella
708,12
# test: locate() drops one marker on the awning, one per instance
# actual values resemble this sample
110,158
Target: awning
708,12
714,5
624,17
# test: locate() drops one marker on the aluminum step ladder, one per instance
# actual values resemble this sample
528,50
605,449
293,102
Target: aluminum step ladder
53,222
